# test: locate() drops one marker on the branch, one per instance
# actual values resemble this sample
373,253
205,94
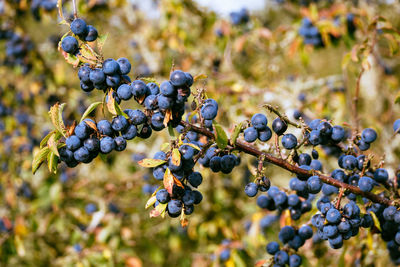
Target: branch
293,168
75,8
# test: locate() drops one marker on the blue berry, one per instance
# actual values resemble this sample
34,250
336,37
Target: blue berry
154,89
209,111
174,207
159,172
164,102
362,145
259,121
365,184
124,92
91,34
279,126
167,89
151,102
110,66
250,134
263,201
286,234
314,184
315,137
195,179
349,162
265,135
113,80
124,65
304,159
92,144
81,154
381,175
120,143
73,143
178,78
215,164
97,76
225,255
305,232
119,123
90,208
136,116
104,127
338,133
139,88
107,144
333,216
84,73
69,44
293,200
82,130
289,141
79,27
295,260
251,189
272,247
330,230
396,125
157,121
281,258
369,135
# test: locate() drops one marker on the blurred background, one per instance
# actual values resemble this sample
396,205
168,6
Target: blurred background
253,52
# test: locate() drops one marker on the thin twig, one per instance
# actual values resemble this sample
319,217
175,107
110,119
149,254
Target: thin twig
75,8
341,192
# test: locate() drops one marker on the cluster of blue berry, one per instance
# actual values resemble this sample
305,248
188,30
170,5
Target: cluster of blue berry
38,5
293,239
17,50
79,28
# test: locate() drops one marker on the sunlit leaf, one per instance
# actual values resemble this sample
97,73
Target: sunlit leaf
221,138
151,163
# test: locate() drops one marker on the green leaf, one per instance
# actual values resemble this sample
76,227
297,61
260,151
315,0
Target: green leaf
46,138
56,118
111,103
52,162
63,22
73,60
345,60
38,158
192,145
171,131
221,138
101,39
397,99
151,163
88,55
159,210
200,77
53,142
92,107
376,220
164,146
176,157
150,202
236,132
119,110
